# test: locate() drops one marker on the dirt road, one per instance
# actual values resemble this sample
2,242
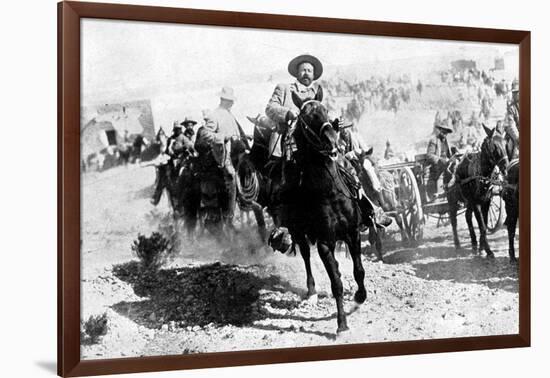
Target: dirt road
421,292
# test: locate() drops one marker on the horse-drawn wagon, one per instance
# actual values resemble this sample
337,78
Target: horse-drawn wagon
414,205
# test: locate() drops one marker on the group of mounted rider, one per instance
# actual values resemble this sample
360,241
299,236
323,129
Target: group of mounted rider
312,173
214,151
219,145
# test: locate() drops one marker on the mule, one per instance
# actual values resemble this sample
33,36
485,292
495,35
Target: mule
472,187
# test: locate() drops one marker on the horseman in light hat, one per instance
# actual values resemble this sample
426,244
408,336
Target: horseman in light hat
214,142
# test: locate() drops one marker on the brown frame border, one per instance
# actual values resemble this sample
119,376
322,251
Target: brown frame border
69,15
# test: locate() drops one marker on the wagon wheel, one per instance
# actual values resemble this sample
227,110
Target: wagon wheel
409,197
495,218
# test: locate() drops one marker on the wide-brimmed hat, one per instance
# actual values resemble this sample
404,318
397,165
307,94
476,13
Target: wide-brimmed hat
227,93
177,124
316,63
188,121
444,127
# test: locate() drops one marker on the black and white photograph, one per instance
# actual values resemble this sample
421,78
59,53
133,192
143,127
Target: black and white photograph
251,189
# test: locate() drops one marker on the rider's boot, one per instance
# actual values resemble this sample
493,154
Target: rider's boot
370,210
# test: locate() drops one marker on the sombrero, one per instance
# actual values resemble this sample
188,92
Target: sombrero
188,121
316,63
444,127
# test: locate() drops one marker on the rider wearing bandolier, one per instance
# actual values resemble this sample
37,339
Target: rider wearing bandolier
438,155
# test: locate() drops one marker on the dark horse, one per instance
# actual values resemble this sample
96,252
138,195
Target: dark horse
323,208
510,194
182,185
473,185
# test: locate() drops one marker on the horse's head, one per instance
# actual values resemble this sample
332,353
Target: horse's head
493,150
314,130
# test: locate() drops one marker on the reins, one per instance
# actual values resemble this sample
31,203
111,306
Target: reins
314,140
311,136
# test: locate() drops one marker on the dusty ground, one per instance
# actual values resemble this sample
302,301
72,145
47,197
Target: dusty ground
421,292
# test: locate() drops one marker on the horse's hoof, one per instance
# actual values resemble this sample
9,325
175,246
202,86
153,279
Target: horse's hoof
342,328
490,255
360,296
513,260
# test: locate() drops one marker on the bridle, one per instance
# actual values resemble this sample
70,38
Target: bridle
311,136
497,163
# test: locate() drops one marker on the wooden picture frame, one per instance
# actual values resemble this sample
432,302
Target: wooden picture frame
69,267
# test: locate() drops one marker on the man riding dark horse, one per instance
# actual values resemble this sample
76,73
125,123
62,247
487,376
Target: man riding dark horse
284,112
325,207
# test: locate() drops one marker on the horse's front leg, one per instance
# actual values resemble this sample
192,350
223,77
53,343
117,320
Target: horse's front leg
471,228
511,222
453,209
326,252
306,253
479,212
354,245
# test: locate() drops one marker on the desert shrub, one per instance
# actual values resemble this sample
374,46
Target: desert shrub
96,326
151,250
165,225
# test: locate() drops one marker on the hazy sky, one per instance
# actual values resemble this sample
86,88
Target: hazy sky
126,55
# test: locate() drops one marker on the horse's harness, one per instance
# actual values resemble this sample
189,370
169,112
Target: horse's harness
488,181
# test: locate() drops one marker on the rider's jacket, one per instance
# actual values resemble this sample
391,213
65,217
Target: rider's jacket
280,104
438,148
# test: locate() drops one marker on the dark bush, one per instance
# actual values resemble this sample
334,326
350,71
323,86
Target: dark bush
151,251
96,326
